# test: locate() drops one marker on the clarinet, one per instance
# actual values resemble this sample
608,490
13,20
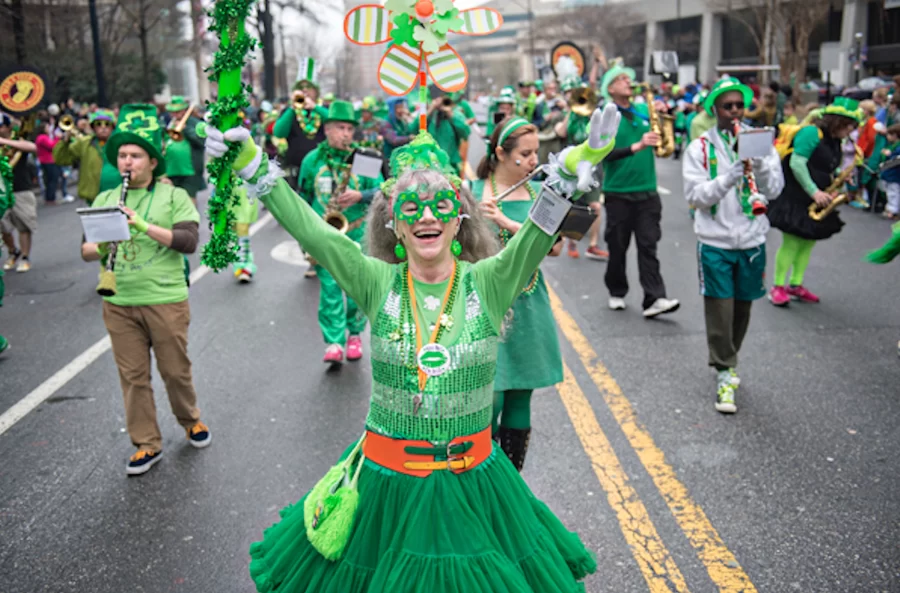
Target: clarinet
757,200
107,285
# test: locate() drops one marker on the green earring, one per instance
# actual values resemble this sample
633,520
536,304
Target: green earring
400,251
455,248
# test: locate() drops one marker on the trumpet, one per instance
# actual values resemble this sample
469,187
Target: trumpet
298,100
757,200
177,133
107,285
67,125
818,213
583,101
661,124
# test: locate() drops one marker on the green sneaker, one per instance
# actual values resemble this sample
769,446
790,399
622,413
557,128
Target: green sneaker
725,399
4,344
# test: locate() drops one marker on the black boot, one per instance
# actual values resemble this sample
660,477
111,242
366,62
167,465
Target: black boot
514,442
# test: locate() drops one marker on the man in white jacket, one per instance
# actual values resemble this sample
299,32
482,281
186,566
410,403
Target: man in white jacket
731,249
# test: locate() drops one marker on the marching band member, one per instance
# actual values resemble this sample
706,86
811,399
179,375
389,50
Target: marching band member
150,306
808,171
301,125
21,216
184,156
95,173
528,357
731,239
632,203
326,184
427,446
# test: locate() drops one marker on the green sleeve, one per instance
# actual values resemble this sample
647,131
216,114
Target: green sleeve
66,153
190,132
806,141
499,279
305,182
800,168
462,128
282,127
466,109
183,209
365,279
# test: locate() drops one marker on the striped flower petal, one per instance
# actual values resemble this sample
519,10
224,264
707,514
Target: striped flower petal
479,21
367,24
398,69
447,69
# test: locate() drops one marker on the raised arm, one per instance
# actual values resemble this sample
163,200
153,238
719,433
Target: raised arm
66,153
365,279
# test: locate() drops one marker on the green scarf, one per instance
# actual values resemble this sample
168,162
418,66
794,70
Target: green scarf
743,189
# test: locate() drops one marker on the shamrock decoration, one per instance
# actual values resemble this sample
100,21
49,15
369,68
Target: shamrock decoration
136,122
417,30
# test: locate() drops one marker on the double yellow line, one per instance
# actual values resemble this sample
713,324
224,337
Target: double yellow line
656,564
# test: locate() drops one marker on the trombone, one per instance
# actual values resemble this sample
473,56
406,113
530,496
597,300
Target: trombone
177,133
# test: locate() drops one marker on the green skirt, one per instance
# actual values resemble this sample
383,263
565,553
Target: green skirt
481,531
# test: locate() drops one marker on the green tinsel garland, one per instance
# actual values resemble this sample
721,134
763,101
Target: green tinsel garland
228,18
8,200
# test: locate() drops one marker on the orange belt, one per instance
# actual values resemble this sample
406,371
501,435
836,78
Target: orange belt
420,458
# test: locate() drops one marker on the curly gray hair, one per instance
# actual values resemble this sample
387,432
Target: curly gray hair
475,235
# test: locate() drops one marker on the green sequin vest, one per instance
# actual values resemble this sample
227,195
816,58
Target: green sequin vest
457,403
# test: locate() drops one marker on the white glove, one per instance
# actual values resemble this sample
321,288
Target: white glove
603,127
734,173
248,160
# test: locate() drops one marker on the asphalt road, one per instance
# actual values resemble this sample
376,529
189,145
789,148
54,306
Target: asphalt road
797,492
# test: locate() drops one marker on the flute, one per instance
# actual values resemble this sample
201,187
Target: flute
107,285
757,200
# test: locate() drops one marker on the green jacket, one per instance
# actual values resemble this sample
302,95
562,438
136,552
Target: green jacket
449,133
185,159
95,174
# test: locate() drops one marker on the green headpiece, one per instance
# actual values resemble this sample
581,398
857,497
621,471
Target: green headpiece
342,111
102,115
846,107
727,85
507,95
138,125
178,103
610,75
369,103
573,81
420,154
306,75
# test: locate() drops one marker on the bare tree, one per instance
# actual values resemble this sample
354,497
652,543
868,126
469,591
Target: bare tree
794,23
756,16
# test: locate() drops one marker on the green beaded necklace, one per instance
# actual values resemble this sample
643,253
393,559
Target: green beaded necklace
505,235
309,126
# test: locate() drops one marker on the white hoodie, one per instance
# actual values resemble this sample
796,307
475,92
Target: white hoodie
730,228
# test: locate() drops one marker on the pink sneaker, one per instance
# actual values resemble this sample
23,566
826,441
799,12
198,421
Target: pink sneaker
779,296
354,348
334,354
801,294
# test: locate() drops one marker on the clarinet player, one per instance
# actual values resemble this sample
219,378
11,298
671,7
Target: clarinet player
149,307
731,237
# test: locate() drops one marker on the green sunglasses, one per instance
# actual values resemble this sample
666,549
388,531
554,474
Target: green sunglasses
444,204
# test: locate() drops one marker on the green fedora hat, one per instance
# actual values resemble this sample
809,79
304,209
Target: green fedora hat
726,85
342,111
846,107
613,73
138,125
178,103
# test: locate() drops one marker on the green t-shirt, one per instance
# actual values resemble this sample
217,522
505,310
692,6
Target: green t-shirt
635,173
148,272
178,159
466,109
449,133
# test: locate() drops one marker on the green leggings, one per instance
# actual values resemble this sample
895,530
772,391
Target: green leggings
793,255
515,405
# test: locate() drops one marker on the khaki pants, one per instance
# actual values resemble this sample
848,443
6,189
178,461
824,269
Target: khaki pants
133,331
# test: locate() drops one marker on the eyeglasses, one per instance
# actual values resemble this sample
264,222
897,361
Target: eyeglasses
444,205
733,105
102,124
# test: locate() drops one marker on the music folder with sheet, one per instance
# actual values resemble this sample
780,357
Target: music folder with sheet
103,225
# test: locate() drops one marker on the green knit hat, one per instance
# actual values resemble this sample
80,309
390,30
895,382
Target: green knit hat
613,73
846,107
102,115
178,103
727,85
138,125
341,111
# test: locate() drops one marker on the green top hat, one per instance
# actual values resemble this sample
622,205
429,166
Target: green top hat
507,95
342,111
613,73
846,107
178,103
726,85
138,125
573,81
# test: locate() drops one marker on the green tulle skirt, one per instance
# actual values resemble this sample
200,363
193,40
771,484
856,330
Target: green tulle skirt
481,531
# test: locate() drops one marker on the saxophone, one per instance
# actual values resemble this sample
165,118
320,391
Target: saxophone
818,213
757,200
333,214
661,124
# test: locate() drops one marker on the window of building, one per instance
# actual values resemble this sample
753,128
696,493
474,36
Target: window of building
683,36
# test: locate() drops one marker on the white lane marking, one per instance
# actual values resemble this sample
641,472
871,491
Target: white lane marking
46,389
663,191
288,252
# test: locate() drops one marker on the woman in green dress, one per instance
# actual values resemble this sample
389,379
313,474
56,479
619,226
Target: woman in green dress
528,357
423,501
